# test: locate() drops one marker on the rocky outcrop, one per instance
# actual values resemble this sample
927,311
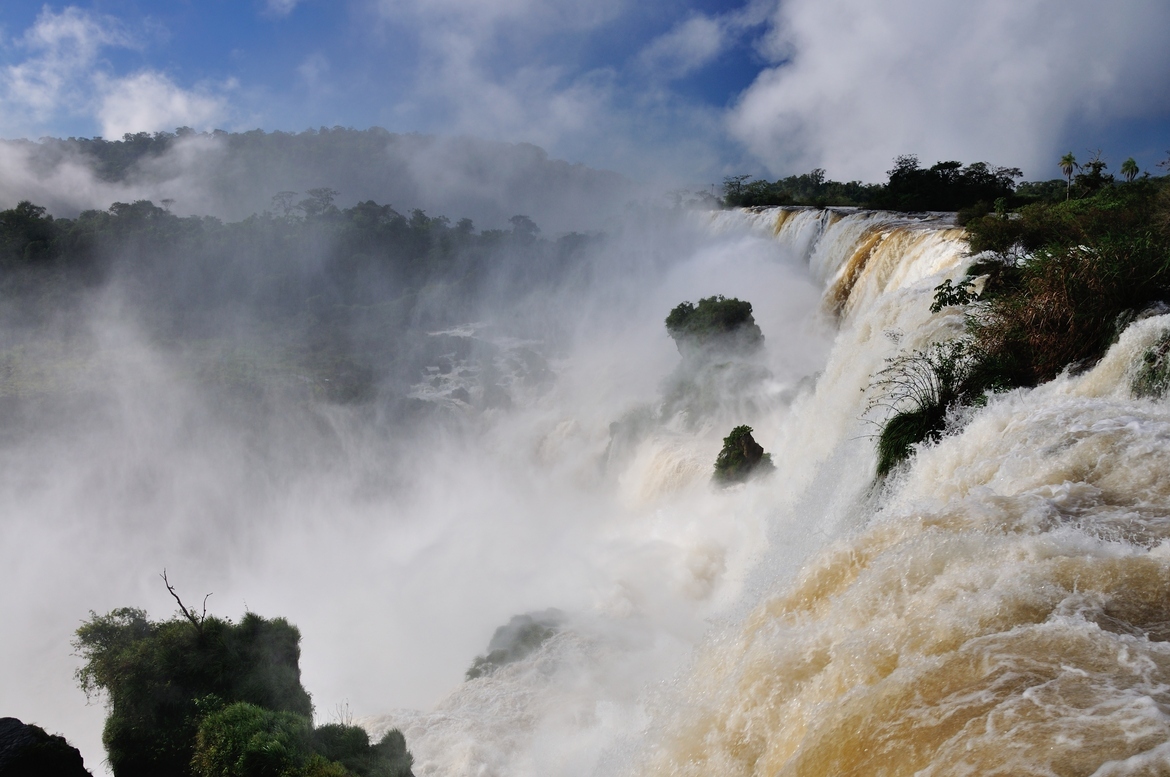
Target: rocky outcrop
517,639
741,457
29,751
715,329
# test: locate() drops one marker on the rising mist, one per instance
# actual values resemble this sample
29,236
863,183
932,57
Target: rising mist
397,431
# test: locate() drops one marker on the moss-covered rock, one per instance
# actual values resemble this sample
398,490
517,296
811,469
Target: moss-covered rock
1153,372
518,638
741,457
716,325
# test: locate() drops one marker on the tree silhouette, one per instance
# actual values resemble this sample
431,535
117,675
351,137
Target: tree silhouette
1068,165
1129,169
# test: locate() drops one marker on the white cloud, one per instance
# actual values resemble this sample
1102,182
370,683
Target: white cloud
998,81
281,7
465,84
313,70
483,18
686,48
150,101
60,48
63,75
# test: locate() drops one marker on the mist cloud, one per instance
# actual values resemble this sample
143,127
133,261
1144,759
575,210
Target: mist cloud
854,83
471,79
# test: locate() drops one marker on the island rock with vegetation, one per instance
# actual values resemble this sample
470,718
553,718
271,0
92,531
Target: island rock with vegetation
201,696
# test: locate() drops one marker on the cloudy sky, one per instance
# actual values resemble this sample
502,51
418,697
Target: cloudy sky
691,89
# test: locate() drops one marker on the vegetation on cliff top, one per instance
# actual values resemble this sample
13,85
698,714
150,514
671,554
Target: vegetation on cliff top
202,696
1061,280
716,322
945,186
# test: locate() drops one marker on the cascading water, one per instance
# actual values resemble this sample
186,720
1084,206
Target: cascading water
998,606
1001,606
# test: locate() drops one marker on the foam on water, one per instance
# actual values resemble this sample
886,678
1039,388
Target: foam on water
1002,606
1005,610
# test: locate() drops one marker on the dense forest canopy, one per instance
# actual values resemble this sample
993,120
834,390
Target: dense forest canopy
972,190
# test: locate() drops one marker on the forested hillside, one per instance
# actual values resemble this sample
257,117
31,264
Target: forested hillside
331,303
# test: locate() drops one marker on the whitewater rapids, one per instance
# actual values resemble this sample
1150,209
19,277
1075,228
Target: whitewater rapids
1000,606
1004,610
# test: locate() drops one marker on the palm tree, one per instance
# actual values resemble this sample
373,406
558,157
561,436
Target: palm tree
1068,163
1129,169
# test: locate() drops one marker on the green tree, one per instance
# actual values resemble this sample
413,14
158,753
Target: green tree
1068,165
285,201
350,747
319,201
27,234
733,186
1093,177
1129,169
152,675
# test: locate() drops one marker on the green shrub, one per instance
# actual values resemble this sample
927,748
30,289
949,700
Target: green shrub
350,747
916,390
243,740
1062,280
741,458
204,697
947,295
1067,274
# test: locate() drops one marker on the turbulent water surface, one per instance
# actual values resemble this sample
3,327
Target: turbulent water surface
999,606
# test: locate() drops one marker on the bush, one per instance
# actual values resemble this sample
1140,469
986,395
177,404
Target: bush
947,294
741,458
349,746
243,740
917,389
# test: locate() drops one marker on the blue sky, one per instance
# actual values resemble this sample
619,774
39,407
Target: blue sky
691,89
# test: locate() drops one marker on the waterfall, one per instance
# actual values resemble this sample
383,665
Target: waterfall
1001,608
1000,605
